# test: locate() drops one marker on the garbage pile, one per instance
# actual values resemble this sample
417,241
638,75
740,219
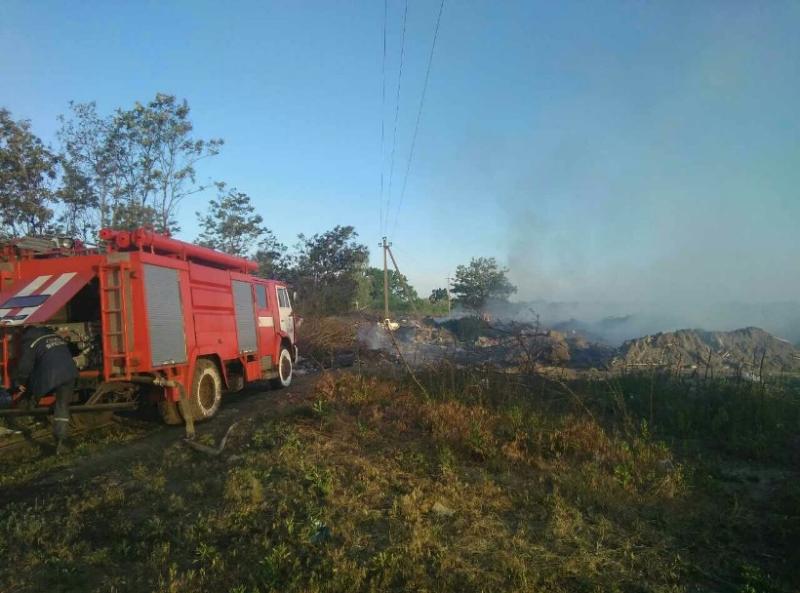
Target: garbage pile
750,352
472,340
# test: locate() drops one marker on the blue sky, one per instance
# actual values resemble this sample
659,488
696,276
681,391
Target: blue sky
602,150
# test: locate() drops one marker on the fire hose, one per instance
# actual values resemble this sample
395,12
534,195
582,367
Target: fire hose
183,404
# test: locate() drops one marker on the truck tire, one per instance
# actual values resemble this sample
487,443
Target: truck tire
284,378
205,397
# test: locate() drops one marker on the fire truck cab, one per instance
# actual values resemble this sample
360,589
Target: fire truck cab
149,317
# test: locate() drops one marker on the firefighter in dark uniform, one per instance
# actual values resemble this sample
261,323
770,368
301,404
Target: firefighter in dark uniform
46,366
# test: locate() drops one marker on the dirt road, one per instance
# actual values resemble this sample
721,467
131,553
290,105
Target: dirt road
96,454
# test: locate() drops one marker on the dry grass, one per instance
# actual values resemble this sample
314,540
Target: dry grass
323,337
493,483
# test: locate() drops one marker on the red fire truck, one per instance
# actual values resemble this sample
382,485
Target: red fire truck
148,317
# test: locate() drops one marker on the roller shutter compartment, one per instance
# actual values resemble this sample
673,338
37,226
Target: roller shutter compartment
245,316
164,315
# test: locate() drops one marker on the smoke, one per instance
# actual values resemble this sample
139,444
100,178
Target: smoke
716,265
613,323
675,207
715,271
373,336
711,272
649,176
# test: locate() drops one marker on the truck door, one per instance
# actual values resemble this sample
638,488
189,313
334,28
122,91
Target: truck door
285,312
266,327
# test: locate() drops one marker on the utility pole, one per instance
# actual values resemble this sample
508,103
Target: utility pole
400,279
447,288
385,246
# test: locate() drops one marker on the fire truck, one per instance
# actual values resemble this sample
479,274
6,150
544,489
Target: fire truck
148,317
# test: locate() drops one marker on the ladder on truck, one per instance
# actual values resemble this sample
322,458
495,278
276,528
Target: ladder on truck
114,321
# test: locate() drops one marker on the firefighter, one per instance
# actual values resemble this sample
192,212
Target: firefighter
46,366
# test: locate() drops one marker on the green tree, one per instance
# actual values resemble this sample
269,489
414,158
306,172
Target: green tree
135,167
272,259
438,295
77,202
88,189
328,269
480,282
27,173
402,295
232,225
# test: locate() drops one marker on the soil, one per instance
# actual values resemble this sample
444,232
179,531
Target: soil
93,456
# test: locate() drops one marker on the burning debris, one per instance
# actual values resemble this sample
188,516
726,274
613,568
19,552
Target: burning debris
473,340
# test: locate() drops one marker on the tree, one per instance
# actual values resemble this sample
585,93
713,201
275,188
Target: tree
154,148
27,173
135,167
400,291
328,270
272,259
438,295
87,191
232,225
76,201
481,281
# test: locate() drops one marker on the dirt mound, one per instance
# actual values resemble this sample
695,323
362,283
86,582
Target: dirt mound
471,340
745,351
585,354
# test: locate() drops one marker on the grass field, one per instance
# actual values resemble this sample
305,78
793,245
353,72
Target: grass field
479,481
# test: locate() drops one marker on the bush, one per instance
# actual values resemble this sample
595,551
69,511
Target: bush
321,338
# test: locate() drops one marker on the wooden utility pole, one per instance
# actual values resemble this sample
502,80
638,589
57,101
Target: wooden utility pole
401,280
385,246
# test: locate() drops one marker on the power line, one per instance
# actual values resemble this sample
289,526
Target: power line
383,109
419,116
397,110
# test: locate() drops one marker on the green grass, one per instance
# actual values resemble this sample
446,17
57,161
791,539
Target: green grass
490,482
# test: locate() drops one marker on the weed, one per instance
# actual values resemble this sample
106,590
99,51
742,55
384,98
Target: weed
243,487
263,437
494,482
276,565
320,480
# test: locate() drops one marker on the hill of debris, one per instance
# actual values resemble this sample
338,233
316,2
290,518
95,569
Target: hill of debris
749,351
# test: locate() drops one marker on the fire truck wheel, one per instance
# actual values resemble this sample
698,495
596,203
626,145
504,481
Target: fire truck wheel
284,378
206,394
